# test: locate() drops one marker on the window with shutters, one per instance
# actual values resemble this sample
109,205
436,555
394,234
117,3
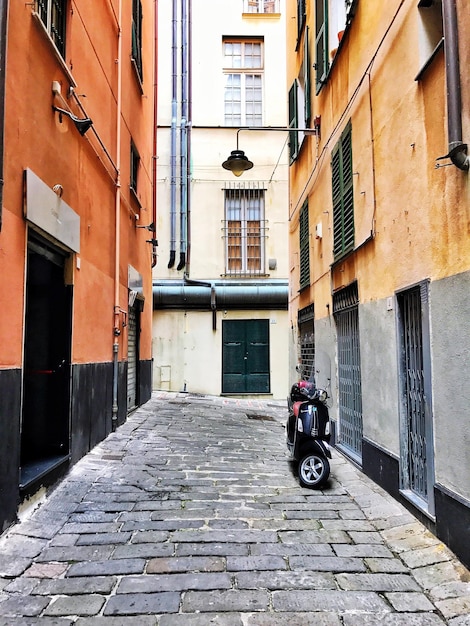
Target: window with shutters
244,231
243,71
343,195
304,247
293,122
301,16
331,20
53,15
136,55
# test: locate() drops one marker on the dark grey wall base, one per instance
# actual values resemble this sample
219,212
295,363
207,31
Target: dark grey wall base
452,513
10,417
453,522
145,381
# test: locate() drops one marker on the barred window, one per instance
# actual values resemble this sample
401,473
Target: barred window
244,231
53,16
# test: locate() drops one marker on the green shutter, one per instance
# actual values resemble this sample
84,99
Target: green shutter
343,194
304,247
321,41
308,111
293,122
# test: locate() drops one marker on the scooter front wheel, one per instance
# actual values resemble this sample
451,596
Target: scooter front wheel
314,470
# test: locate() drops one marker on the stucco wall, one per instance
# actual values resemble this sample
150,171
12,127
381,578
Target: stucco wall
450,346
379,377
188,353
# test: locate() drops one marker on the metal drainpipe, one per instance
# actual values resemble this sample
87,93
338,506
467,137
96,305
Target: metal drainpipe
117,308
3,48
457,149
154,164
190,117
183,134
171,262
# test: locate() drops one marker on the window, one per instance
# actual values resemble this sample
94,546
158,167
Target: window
331,19
260,6
343,196
243,97
244,231
304,247
301,16
136,54
53,15
135,162
293,122
306,324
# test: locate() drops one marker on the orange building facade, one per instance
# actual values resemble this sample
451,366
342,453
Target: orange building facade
379,239
77,93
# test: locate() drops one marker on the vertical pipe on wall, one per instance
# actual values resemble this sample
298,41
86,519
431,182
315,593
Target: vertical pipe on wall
3,48
154,155
183,133
171,262
189,128
457,149
117,234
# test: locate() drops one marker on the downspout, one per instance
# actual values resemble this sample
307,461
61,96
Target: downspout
154,164
171,262
457,149
117,308
183,134
3,50
189,128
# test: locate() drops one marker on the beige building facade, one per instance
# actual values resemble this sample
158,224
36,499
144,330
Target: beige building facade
379,247
220,322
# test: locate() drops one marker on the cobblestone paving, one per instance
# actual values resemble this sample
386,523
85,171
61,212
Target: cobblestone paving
190,515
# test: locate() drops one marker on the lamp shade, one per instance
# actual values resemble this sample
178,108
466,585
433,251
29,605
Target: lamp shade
237,163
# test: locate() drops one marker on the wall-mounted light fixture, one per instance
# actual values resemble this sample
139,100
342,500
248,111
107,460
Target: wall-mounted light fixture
82,125
238,162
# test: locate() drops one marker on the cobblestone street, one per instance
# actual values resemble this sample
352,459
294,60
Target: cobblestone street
190,515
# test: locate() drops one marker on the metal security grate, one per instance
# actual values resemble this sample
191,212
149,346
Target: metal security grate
306,324
349,370
414,394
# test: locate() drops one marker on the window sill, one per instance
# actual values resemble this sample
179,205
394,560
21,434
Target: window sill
38,21
268,16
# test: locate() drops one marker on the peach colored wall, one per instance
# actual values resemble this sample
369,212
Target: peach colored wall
35,139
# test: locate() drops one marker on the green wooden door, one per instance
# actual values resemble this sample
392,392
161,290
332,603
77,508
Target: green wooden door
245,356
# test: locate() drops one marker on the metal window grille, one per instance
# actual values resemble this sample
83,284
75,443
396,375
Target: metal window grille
305,320
53,15
243,94
343,195
244,230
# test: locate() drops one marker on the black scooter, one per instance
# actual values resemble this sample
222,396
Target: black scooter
308,433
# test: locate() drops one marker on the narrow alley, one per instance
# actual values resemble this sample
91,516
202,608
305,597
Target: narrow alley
190,515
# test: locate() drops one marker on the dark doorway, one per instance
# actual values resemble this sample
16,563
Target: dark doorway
46,384
245,356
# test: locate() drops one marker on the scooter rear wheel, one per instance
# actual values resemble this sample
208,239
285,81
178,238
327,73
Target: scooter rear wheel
313,470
